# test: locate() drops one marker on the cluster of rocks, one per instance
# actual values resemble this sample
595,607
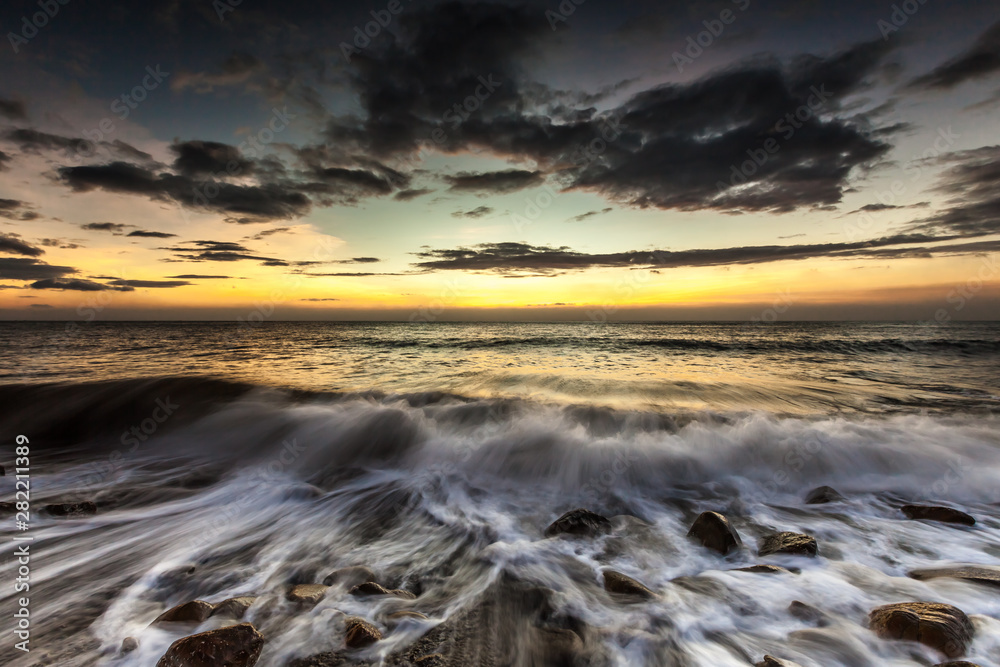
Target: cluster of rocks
517,610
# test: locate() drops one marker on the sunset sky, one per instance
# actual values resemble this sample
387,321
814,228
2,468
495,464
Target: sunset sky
186,159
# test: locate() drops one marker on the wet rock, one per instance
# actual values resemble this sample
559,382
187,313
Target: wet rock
764,569
331,659
431,660
956,663
129,644
85,508
935,513
771,661
8,508
233,607
3,472
372,588
307,594
822,495
555,647
788,543
714,531
405,614
940,626
580,522
349,576
195,611
808,613
234,646
620,584
360,633
980,575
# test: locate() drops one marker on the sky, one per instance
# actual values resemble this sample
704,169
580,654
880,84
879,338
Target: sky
429,161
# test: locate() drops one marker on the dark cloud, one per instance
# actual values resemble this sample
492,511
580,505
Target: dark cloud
196,276
34,141
972,183
359,260
15,246
76,284
4,159
40,305
235,70
152,235
13,109
220,251
266,201
62,244
518,258
104,227
15,209
496,182
590,214
18,268
202,158
319,299
149,283
407,195
477,212
980,60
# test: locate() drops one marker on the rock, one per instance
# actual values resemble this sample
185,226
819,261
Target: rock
330,659
86,508
405,614
195,611
956,663
939,626
788,543
307,594
556,647
233,607
129,644
360,633
371,588
771,661
620,584
3,472
430,660
715,532
580,522
822,495
935,513
234,646
980,575
764,569
8,508
808,613
349,576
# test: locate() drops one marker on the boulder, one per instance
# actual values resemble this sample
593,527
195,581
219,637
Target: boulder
234,646
935,513
233,607
771,661
372,588
360,633
714,531
956,663
430,660
306,594
822,495
579,522
980,575
620,584
349,576
129,644
788,543
85,508
764,569
195,611
405,614
937,625
556,647
808,613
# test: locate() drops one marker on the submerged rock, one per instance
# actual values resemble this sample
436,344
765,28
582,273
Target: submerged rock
788,543
771,661
129,644
195,611
233,607
936,513
764,569
360,633
307,594
956,663
620,584
431,660
579,522
349,576
85,508
234,646
940,626
808,613
405,614
980,575
372,588
822,495
714,531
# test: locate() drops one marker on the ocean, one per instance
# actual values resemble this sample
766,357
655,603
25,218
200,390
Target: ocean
231,460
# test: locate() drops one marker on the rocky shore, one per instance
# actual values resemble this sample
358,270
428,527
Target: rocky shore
519,623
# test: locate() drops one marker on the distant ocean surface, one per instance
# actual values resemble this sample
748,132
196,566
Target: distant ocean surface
231,461
786,368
